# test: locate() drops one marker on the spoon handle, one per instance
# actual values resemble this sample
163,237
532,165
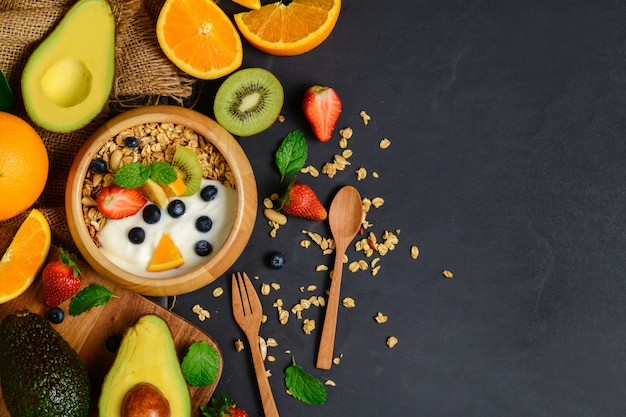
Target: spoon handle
327,340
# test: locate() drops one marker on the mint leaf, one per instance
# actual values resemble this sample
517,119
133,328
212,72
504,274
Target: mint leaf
92,296
291,154
132,175
201,364
304,386
162,172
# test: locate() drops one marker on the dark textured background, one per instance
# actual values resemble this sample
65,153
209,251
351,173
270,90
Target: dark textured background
507,123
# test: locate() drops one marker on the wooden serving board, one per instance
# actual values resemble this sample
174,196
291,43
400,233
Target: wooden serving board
88,332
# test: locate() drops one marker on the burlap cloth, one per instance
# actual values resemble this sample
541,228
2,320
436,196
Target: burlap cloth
143,75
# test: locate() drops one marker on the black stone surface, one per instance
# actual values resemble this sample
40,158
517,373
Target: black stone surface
506,166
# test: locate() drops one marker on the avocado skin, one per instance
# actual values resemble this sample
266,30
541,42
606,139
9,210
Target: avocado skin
40,374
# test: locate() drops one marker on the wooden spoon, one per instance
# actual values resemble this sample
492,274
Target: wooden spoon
345,216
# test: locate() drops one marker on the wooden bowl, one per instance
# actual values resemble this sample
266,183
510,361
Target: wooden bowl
224,257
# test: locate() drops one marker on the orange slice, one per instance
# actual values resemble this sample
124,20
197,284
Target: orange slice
199,38
291,29
25,256
250,4
166,255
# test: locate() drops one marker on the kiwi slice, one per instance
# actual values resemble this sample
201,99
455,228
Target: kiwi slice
248,101
186,162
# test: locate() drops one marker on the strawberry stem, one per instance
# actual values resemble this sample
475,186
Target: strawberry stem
69,259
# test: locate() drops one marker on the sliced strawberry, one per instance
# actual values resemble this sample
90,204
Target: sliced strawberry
116,202
322,107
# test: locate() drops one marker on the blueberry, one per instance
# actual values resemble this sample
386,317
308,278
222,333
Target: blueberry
176,208
204,224
131,142
276,260
136,235
112,343
208,193
56,315
203,248
151,214
98,166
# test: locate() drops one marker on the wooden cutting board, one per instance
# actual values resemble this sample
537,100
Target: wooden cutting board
88,332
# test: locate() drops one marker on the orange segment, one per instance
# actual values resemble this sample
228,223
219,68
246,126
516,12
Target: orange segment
166,255
250,4
292,29
24,257
199,38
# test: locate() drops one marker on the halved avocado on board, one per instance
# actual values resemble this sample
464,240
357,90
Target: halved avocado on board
68,78
146,356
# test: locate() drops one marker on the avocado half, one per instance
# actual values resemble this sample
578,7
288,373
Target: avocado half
146,355
68,78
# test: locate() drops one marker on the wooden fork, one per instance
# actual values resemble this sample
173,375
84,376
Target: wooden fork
248,314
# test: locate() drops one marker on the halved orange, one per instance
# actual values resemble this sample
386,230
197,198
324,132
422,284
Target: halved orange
289,29
25,256
199,38
250,4
166,255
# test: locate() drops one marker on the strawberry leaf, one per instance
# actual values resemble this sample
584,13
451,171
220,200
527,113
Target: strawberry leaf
92,296
291,154
304,386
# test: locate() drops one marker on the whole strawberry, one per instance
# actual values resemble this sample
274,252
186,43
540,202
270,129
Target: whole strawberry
60,279
220,406
301,201
322,107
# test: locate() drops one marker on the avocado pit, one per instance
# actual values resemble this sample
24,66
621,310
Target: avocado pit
67,82
145,400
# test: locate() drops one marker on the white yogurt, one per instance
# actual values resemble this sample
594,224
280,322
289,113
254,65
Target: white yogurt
135,258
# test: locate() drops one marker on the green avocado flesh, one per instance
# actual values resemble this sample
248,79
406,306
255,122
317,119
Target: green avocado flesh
40,374
147,354
68,78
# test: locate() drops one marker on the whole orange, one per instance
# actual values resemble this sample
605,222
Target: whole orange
23,165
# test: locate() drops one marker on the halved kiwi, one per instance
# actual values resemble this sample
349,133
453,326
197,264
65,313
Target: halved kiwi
186,162
249,101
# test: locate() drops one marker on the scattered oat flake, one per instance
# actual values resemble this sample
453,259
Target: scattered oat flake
361,173
239,346
446,273
384,143
330,382
392,341
321,267
366,117
265,289
336,360
348,302
378,202
414,252
381,318
218,291
346,132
